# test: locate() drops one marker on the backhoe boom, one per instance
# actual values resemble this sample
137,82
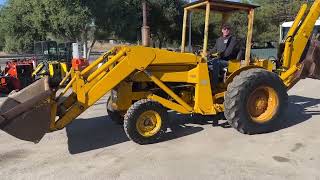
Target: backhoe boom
297,40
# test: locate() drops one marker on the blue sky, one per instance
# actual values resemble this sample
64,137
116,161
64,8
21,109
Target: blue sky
2,2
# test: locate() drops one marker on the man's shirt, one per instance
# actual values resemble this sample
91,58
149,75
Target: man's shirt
227,46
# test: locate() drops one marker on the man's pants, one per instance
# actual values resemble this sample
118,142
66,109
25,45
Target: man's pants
216,66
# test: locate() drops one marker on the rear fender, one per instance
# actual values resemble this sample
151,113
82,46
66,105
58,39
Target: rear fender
236,73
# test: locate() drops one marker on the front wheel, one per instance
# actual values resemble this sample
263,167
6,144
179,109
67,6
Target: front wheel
255,102
145,122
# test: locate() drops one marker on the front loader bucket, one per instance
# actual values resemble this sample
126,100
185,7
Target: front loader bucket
311,64
26,114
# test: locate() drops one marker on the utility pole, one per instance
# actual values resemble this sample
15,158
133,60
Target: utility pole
145,30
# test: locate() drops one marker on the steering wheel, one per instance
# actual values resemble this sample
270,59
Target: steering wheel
197,50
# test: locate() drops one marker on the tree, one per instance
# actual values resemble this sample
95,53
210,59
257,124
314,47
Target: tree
166,20
68,19
113,19
271,14
17,26
123,19
26,21
2,40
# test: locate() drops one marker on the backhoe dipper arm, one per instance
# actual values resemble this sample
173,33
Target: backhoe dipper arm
297,40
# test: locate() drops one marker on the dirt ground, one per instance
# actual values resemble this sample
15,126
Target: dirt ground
94,148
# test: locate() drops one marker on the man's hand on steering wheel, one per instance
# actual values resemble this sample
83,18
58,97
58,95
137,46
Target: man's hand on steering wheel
216,55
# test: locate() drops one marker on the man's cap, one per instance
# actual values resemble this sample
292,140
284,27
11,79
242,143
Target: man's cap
226,26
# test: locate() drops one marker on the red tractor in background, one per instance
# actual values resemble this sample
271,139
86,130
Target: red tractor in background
17,75
50,59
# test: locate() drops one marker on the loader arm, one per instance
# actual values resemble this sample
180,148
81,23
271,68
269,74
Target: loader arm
90,85
297,40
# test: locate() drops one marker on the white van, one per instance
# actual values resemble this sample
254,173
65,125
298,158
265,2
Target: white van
284,29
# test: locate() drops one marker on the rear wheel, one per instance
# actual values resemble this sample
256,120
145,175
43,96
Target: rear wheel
255,102
145,122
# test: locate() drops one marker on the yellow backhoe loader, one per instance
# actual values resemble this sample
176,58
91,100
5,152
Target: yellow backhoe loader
145,82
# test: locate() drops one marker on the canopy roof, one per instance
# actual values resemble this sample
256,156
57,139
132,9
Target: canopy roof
223,6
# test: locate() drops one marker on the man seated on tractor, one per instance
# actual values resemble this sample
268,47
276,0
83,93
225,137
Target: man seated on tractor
225,49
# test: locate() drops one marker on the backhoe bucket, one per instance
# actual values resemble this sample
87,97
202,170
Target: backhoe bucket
311,64
26,114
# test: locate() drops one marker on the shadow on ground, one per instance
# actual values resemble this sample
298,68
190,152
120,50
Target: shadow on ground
299,110
95,133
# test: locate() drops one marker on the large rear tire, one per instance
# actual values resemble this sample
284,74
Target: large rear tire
145,122
255,102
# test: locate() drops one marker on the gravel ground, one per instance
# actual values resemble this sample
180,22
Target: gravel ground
94,148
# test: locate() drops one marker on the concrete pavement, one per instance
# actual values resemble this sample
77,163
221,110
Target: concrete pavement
94,148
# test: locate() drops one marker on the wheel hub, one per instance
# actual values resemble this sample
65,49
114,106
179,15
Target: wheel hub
262,104
149,123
